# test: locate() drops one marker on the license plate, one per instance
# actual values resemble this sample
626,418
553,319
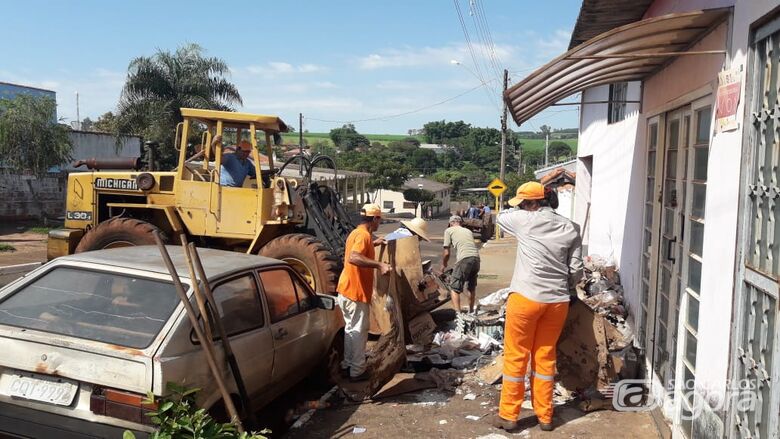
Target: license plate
52,390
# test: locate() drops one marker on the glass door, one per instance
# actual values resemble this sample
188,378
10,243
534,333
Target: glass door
672,238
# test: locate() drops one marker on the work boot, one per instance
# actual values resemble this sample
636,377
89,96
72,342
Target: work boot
362,377
545,427
503,424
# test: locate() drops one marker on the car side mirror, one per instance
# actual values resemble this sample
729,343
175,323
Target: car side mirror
327,302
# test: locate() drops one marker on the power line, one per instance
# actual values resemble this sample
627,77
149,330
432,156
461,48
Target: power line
477,67
392,116
482,28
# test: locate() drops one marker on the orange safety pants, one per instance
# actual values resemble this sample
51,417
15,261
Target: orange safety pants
532,330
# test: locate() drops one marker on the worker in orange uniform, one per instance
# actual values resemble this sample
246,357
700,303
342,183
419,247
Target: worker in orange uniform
356,284
548,265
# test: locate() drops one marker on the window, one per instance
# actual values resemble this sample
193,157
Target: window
100,306
280,294
306,300
387,205
617,102
239,305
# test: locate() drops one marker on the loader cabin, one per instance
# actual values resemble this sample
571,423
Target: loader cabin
204,163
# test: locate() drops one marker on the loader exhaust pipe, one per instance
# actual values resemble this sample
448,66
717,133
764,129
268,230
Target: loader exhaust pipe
102,163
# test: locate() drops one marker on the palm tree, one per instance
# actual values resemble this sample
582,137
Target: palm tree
157,87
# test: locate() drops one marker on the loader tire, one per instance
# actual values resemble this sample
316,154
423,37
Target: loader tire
309,257
118,232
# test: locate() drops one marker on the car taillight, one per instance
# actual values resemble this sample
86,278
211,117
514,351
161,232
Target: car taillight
120,404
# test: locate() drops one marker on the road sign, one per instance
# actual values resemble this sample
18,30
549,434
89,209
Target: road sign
496,187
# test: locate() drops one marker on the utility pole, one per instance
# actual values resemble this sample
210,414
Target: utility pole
78,116
500,199
300,141
546,149
503,135
300,131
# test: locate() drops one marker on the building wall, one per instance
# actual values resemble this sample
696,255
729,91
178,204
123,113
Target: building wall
566,203
87,145
27,196
618,184
612,213
383,196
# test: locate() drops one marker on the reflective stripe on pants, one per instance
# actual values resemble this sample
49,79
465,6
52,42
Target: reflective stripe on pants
356,321
531,332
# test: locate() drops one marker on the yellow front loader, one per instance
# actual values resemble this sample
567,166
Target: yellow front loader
269,215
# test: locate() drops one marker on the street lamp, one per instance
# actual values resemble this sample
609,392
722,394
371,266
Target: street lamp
458,63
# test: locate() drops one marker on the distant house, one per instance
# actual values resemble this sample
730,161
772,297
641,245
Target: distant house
393,201
438,148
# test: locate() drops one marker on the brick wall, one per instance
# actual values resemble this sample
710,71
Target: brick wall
26,196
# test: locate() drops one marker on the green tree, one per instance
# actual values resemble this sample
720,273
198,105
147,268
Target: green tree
87,124
157,87
388,170
454,178
443,131
424,161
30,137
323,147
533,157
418,196
347,138
558,149
105,123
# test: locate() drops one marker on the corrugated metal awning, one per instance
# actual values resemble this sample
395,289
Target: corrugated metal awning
627,53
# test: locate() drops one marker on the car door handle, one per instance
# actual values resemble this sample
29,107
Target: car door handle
280,334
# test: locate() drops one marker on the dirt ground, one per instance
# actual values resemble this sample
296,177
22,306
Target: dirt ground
434,413
29,246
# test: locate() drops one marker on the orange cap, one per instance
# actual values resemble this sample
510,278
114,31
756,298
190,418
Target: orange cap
245,146
371,210
528,191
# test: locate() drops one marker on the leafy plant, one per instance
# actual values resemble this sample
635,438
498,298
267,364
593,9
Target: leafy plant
179,417
30,137
7,248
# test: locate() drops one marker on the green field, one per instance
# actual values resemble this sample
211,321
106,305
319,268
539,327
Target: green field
310,138
325,137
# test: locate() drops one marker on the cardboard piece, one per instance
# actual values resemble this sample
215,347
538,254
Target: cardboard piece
421,329
492,373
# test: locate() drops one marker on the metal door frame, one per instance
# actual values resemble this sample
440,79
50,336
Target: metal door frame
744,274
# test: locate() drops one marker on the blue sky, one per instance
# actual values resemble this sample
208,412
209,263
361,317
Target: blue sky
334,61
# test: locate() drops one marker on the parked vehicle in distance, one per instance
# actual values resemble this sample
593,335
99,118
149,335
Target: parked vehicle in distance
86,336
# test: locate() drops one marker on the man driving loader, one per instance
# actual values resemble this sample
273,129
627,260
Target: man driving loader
235,167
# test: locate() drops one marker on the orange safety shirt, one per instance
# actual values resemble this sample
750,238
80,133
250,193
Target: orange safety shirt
357,283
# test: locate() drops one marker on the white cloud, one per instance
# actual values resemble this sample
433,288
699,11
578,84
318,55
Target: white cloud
275,69
431,56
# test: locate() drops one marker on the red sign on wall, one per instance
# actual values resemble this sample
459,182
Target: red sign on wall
729,94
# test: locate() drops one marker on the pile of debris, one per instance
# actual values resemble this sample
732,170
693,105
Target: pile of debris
600,289
594,351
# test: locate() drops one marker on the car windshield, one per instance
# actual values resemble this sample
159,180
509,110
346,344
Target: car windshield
102,306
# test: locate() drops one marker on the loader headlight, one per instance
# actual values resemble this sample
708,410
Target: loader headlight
145,181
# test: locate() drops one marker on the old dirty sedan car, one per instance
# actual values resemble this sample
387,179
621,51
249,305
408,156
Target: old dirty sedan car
85,337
